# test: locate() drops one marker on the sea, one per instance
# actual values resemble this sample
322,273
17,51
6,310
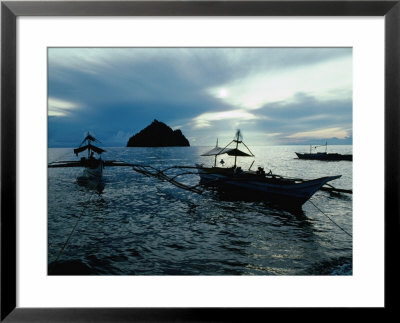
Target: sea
140,225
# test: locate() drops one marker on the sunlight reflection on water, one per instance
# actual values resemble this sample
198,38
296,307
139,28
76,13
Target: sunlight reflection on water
140,226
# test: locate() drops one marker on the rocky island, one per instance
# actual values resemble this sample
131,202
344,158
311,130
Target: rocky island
158,134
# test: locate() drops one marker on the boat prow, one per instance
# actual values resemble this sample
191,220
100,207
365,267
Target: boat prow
93,170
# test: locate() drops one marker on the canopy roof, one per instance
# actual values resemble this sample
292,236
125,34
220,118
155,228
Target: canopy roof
88,146
237,152
215,151
230,151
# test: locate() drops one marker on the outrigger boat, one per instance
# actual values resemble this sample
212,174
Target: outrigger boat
93,167
257,184
323,155
269,187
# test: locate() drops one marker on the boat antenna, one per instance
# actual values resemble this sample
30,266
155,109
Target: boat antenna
238,136
238,139
215,159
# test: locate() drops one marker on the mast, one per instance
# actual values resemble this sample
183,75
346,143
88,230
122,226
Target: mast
237,144
215,160
89,145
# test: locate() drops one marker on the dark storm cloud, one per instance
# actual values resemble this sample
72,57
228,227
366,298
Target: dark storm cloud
307,111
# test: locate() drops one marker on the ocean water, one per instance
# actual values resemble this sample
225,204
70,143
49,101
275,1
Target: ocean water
139,225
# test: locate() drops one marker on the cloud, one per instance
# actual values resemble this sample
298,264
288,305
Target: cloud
321,134
58,107
205,119
119,91
327,81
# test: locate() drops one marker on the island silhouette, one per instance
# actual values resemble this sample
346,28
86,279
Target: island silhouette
158,134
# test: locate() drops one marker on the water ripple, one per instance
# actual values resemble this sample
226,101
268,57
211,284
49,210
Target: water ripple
140,226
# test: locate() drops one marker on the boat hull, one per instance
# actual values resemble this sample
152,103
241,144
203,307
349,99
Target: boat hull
324,156
267,188
92,172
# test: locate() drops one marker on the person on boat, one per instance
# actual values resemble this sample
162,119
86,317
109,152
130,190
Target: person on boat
260,171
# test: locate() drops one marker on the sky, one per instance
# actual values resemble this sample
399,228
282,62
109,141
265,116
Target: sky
275,96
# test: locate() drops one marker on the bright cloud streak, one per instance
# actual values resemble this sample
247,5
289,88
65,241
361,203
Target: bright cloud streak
57,107
321,134
204,120
329,80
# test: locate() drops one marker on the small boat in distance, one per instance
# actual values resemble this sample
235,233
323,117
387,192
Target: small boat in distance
290,192
323,155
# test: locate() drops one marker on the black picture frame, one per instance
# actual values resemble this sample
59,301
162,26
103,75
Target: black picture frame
10,10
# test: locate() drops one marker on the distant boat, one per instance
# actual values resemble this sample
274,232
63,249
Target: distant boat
323,155
257,184
92,166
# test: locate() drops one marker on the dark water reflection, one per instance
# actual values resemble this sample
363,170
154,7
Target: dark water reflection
136,225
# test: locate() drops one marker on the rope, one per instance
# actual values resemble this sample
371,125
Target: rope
61,157
331,219
73,229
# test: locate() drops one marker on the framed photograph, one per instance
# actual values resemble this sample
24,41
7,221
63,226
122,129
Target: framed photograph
170,160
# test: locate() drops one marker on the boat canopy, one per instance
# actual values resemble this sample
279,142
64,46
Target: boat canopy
89,137
230,151
215,151
88,146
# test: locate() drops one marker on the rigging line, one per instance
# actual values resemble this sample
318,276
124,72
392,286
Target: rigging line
62,156
248,149
73,229
331,219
